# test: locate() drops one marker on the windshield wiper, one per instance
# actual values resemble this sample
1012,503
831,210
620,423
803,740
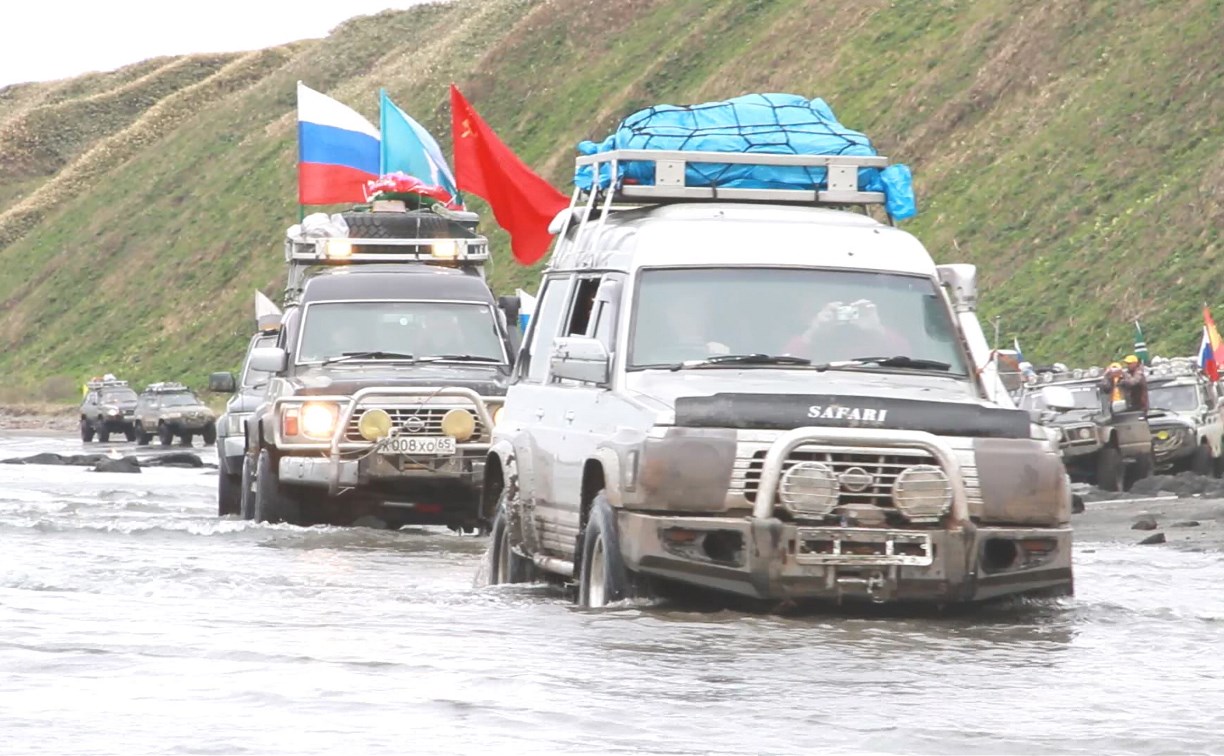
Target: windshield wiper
459,358
742,359
373,355
902,361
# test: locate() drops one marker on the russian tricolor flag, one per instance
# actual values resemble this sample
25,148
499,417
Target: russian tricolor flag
338,150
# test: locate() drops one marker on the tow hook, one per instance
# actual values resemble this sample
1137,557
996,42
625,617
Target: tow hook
873,585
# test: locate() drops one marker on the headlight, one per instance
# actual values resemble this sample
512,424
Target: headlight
922,493
459,424
497,415
174,415
1085,432
319,419
809,488
112,411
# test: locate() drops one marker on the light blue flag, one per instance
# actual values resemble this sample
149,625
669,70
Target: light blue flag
408,147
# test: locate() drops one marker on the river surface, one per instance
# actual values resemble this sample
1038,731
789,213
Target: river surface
133,620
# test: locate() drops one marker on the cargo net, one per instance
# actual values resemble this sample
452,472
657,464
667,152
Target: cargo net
765,124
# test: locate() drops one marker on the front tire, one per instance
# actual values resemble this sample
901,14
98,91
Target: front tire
142,438
164,435
603,578
103,433
272,502
87,432
246,496
1109,469
1202,463
507,566
1143,467
209,435
229,494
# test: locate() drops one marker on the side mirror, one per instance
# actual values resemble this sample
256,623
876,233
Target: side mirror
269,359
221,383
580,358
1058,398
961,280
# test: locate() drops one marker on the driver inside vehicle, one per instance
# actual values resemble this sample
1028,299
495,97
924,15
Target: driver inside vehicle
682,329
845,331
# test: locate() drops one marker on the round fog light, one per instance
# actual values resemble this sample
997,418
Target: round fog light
374,425
922,493
809,488
459,424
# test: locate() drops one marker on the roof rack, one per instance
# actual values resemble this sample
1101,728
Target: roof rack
842,180
841,186
107,381
165,387
446,252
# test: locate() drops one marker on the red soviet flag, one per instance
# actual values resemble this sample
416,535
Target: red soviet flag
522,201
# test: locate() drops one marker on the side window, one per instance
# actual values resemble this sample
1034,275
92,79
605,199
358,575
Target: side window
584,305
544,325
607,310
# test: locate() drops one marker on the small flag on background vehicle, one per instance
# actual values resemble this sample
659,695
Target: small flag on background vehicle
1206,358
1019,354
1214,342
1141,350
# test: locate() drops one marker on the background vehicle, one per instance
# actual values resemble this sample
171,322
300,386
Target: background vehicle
107,408
1101,444
247,392
171,410
1186,426
390,364
670,424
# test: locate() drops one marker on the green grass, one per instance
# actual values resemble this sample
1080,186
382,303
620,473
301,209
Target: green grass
1073,151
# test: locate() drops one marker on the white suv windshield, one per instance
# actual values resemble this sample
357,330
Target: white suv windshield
1085,395
822,315
118,396
331,330
1175,398
179,400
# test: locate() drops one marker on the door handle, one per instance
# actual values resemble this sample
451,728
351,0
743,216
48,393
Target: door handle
569,416
540,413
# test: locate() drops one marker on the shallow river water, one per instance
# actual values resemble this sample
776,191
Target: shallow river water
133,620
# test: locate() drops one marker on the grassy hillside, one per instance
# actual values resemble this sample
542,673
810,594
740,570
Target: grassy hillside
1072,149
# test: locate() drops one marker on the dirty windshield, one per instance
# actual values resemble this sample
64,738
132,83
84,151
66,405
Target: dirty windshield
118,396
179,400
1085,395
403,330
1175,398
685,314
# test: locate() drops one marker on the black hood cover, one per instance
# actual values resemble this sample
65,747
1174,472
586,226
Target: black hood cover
787,412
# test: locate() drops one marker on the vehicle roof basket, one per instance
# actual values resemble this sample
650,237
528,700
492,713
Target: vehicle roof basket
109,381
302,255
163,387
670,168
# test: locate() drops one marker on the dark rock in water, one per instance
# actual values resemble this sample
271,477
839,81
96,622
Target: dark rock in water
370,521
1153,539
123,465
1077,504
46,458
86,460
1145,522
174,459
1186,524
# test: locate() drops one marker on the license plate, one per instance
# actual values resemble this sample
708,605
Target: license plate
424,445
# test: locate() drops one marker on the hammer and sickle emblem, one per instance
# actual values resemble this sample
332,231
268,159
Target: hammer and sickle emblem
467,129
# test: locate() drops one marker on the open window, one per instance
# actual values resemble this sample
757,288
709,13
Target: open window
583,307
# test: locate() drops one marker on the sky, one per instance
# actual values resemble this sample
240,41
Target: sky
59,39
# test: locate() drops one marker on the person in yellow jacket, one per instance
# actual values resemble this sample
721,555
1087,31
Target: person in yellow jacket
1127,384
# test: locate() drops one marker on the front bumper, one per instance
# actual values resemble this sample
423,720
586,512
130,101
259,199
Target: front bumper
390,474
773,560
1176,447
188,424
764,557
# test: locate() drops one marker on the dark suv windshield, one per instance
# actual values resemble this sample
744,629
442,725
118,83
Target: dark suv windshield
179,400
331,330
820,315
117,396
1176,398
